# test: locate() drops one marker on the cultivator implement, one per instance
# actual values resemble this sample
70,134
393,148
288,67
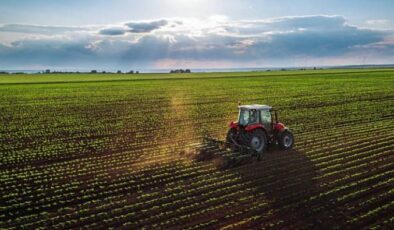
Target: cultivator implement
224,154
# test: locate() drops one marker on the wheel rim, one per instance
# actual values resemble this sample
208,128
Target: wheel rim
287,141
256,143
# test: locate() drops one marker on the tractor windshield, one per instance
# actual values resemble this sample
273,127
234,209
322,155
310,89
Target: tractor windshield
247,117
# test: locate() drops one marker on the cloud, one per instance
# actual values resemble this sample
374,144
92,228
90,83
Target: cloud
379,22
45,52
136,27
38,29
145,27
277,41
113,31
313,22
316,42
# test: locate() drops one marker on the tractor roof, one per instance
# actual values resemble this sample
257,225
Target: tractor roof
255,106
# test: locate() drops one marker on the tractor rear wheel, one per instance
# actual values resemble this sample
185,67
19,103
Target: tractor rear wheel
286,140
258,142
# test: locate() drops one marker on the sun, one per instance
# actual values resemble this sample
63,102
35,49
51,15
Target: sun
191,6
185,2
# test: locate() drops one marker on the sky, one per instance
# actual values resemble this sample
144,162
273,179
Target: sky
167,34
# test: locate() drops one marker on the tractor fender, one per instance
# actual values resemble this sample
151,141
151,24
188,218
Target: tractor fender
279,133
233,125
279,127
251,128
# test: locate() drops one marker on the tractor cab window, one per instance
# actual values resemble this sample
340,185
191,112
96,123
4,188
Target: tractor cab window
253,116
247,117
266,117
244,117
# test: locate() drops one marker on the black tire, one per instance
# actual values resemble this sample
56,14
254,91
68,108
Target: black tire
258,142
286,140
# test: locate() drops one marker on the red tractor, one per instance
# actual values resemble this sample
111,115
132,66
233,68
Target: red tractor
249,137
258,126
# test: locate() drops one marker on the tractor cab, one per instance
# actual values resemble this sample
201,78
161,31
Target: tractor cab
257,114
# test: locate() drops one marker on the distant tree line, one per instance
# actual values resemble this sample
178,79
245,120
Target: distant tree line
117,72
5,72
48,71
180,71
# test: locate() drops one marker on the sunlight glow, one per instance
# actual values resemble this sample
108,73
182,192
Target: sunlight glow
194,7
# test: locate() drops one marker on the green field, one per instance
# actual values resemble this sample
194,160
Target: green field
100,151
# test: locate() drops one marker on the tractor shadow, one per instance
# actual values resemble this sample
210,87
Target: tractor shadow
286,180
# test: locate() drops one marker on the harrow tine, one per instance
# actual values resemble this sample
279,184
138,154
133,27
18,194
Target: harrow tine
226,155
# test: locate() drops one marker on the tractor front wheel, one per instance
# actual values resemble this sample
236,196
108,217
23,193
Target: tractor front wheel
286,140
